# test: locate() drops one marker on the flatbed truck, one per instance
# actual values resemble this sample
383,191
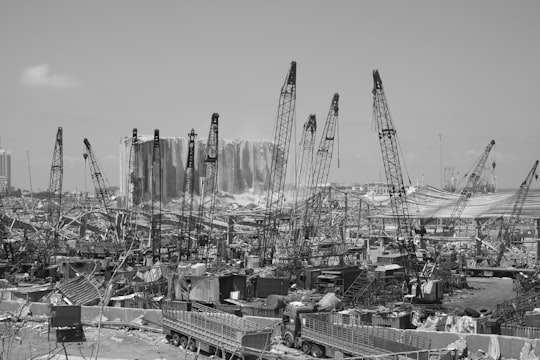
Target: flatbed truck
213,331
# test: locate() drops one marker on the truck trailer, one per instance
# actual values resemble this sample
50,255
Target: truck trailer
213,331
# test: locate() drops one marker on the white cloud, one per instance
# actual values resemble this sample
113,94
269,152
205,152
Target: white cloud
40,76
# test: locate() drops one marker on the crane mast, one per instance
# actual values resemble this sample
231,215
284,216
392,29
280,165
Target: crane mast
278,169
471,186
156,197
55,186
209,184
188,192
392,167
323,160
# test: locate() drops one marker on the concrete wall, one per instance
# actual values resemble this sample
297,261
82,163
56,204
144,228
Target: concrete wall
89,313
510,346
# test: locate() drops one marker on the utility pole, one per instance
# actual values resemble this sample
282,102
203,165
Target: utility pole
440,159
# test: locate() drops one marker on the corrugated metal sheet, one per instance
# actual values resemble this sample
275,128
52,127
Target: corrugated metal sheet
430,202
81,291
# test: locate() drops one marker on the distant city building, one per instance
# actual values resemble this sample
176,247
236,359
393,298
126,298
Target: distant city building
5,169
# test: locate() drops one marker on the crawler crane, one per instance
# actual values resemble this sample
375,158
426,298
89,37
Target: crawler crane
55,188
278,168
507,228
209,182
101,187
156,197
187,202
321,169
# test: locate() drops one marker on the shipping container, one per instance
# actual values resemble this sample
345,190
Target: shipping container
401,321
204,289
271,286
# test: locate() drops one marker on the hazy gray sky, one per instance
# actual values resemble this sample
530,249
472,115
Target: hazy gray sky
463,72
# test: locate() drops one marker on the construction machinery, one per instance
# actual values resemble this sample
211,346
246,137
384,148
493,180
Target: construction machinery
305,164
507,227
392,168
209,183
323,160
187,201
471,186
156,197
278,168
55,188
101,187
133,197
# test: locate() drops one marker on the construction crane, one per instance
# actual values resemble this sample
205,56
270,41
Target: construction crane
156,197
506,229
323,160
471,186
278,168
520,200
209,181
305,171
389,148
189,173
132,197
396,189
55,188
101,186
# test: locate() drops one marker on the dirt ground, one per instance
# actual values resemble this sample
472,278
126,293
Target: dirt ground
482,293
31,341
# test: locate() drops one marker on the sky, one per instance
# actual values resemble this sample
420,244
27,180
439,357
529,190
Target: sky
456,74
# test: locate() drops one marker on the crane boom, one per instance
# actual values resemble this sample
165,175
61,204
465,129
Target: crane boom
471,186
210,173
306,151
132,198
189,175
323,161
392,167
100,183
280,154
520,200
156,196
55,186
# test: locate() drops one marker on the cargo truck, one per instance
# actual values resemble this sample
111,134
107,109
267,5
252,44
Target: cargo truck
327,334
213,331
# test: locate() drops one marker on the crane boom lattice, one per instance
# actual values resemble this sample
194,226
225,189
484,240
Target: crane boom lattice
392,167
280,154
321,171
209,183
55,186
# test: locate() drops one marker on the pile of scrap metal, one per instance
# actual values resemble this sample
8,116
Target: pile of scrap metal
80,290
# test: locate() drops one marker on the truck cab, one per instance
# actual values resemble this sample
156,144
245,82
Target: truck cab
291,326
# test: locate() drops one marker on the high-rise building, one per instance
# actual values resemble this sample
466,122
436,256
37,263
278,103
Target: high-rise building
5,169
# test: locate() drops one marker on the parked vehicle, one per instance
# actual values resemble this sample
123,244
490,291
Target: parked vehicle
325,334
213,331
